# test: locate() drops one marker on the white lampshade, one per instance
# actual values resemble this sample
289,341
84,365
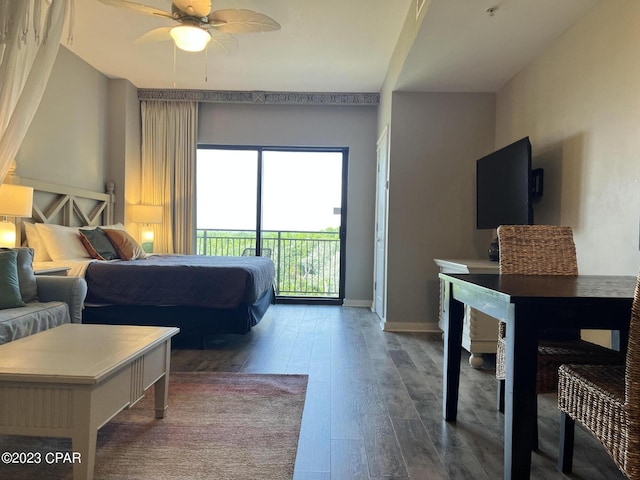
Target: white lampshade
190,38
16,200
146,213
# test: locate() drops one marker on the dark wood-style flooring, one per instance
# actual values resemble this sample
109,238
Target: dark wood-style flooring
374,401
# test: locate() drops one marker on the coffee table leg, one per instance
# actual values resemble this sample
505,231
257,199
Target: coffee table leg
161,387
84,438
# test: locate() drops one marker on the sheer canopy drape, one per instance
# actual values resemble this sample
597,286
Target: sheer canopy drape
30,32
169,145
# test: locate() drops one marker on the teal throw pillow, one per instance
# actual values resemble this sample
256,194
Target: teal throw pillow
9,285
98,245
26,277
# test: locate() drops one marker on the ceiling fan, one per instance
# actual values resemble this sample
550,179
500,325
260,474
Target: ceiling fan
197,24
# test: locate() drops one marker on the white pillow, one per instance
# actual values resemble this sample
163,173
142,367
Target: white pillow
63,243
34,241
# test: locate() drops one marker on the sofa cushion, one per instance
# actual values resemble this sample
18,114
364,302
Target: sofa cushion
9,284
35,317
26,277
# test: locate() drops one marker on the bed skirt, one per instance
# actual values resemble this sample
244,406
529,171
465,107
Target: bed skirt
195,323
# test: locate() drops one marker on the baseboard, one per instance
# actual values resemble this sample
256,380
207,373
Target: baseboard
411,327
356,303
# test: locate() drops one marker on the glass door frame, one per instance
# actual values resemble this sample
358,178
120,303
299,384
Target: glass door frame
342,235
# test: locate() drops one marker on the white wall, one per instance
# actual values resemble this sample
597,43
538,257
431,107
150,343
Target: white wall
580,104
324,126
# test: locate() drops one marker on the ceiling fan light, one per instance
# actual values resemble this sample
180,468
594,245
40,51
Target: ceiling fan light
190,38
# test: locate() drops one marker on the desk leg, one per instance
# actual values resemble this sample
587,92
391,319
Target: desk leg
520,393
453,315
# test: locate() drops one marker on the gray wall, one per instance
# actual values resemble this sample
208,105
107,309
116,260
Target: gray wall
67,142
124,167
86,132
435,140
334,126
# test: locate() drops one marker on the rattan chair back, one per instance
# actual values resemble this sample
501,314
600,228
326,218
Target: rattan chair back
605,399
632,387
537,250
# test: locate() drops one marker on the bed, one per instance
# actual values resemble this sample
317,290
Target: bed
202,295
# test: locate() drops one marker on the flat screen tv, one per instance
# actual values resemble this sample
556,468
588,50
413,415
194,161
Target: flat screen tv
506,186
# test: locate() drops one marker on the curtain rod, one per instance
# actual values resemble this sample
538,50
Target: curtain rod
259,97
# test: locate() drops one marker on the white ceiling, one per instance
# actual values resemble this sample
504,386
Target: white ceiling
332,45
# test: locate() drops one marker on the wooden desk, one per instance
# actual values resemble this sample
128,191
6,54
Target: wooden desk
527,303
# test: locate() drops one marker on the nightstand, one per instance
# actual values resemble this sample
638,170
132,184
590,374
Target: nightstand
479,331
57,271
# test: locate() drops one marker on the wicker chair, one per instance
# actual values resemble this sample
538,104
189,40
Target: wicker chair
606,400
545,250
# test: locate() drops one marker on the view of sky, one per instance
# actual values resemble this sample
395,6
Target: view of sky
300,190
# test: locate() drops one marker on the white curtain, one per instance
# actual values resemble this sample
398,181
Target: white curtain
30,32
168,151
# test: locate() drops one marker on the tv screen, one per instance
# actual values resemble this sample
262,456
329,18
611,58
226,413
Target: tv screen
504,186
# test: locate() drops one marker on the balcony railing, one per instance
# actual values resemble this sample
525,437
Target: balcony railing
307,263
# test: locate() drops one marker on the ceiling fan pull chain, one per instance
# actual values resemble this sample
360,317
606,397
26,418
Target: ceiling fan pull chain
25,23
72,15
206,65
174,65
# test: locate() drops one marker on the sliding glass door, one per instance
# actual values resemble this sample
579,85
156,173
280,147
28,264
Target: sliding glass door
288,204
226,202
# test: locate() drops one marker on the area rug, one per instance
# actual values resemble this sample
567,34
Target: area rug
222,426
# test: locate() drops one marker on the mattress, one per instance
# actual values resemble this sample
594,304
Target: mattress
180,280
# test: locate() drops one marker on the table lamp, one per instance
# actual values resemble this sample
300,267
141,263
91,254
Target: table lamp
146,215
15,201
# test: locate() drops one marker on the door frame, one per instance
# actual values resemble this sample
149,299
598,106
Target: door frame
381,225
339,300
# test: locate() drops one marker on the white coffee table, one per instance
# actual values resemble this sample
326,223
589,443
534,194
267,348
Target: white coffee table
70,380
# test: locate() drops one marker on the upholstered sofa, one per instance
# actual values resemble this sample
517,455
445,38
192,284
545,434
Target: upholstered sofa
30,303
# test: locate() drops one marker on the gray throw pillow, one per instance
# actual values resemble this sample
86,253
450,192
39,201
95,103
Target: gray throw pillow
26,277
9,287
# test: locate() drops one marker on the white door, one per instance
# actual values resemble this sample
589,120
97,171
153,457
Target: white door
382,197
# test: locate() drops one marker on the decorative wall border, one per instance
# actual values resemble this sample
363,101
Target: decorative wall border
261,98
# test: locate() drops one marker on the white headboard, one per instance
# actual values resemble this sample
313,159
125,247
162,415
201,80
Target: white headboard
69,206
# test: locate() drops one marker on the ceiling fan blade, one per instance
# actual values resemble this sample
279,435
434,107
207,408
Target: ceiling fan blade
222,41
137,7
161,34
242,21
194,8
